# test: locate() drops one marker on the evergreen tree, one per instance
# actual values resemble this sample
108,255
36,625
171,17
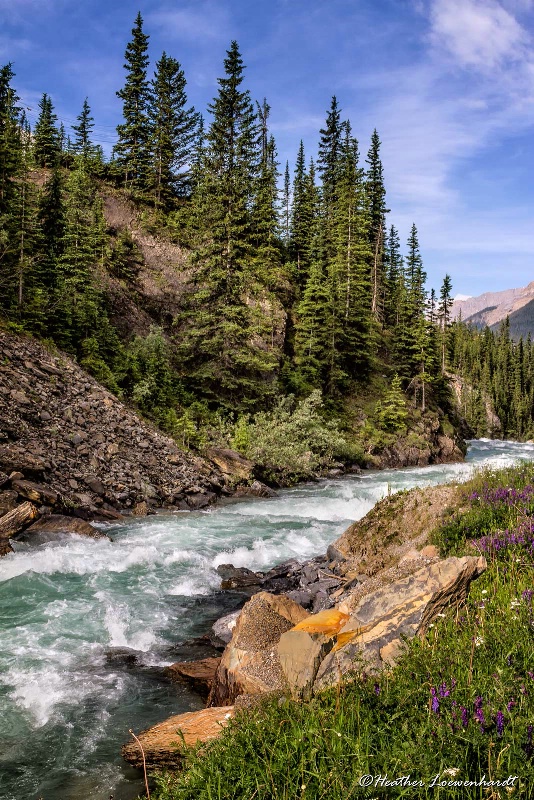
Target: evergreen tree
376,198
173,130
329,153
132,149
10,170
444,315
51,217
348,266
46,138
224,317
82,145
286,206
394,282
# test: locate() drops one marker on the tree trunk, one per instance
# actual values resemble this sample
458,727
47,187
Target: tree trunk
15,521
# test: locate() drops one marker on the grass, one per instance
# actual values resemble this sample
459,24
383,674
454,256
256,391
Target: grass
459,706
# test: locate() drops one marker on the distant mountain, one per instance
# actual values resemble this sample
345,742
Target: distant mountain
491,308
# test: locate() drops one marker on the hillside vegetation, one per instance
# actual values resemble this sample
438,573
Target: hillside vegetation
181,276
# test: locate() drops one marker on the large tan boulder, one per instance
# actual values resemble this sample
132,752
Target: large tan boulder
374,633
230,463
250,662
163,745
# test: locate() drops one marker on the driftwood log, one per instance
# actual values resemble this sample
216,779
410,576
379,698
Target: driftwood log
14,522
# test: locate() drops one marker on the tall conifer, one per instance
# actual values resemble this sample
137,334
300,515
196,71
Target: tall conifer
132,148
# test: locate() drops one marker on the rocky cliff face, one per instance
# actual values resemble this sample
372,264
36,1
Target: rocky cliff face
63,430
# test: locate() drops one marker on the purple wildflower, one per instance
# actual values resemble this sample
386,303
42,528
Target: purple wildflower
465,716
435,701
377,689
499,722
479,714
511,703
528,747
443,691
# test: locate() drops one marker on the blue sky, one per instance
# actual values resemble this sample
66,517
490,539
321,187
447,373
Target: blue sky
449,84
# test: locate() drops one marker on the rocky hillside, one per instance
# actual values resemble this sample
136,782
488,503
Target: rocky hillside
62,429
491,308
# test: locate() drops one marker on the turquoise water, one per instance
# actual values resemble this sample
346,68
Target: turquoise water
65,707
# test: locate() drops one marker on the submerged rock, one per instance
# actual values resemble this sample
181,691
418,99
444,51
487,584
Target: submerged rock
58,524
200,675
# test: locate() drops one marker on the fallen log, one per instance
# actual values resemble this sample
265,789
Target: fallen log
14,522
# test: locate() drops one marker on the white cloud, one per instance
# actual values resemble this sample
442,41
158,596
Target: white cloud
198,23
477,33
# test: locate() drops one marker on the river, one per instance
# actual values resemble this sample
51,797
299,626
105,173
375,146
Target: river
67,699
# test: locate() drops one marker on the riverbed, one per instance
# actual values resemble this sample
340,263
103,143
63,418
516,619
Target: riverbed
69,692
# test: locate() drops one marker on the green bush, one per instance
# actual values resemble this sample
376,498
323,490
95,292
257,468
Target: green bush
293,440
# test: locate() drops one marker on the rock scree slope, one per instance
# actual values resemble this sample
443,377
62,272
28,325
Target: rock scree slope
70,445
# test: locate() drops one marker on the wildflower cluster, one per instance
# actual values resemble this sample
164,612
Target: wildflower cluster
520,538
518,498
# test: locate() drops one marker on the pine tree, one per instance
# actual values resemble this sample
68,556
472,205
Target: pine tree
286,205
349,264
300,219
444,315
394,282
173,130
225,316
329,153
51,217
376,197
132,149
11,161
46,141
82,145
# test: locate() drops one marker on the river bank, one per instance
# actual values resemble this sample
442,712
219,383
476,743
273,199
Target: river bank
69,607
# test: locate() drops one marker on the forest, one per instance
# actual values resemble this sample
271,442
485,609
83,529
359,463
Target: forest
297,289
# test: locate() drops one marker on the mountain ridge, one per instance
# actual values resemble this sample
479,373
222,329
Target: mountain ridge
491,308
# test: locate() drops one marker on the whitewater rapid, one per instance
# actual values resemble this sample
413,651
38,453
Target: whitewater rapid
66,703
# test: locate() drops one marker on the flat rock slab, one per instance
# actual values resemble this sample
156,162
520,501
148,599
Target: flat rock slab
57,523
163,744
200,675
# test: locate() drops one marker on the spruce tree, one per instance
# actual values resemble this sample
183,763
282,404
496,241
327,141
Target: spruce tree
224,318
11,162
329,152
444,315
46,138
51,217
132,149
300,221
376,198
82,144
173,130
